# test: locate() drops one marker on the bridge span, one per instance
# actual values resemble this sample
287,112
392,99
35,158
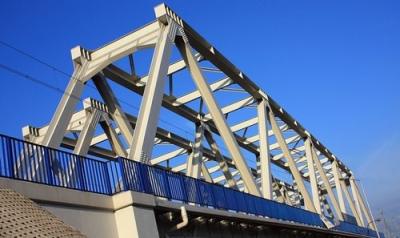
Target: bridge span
112,173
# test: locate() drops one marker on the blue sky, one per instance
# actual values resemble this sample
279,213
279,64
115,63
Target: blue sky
334,65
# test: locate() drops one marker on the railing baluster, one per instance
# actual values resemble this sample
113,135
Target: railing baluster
10,156
79,168
48,165
123,174
97,176
107,179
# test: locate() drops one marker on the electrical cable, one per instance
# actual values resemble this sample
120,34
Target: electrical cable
30,56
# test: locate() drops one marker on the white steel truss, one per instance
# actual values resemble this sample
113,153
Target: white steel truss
237,145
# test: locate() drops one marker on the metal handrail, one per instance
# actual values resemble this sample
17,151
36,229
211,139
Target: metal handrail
31,162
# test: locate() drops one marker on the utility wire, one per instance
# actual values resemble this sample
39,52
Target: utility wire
37,81
33,58
47,85
30,56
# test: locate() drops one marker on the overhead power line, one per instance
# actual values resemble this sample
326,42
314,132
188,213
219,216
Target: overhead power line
42,62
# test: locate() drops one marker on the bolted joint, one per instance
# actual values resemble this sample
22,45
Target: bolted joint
30,132
90,104
79,54
163,12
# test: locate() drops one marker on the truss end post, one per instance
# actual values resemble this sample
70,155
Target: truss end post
78,53
90,103
161,12
29,132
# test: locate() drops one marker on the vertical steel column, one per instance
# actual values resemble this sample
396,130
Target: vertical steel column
292,164
195,159
58,125
141,145
217,116
339,192
312,176
265,158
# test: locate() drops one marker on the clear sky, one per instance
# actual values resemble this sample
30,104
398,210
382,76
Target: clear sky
334,65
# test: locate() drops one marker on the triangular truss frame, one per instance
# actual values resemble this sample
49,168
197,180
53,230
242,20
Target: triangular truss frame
316,172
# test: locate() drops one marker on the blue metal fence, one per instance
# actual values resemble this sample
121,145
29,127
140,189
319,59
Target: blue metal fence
30,162
144,178
352,228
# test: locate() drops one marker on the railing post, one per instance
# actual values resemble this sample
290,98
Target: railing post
107,178
166,182
123,174
140,172
144,175
10,156
49,170
79,167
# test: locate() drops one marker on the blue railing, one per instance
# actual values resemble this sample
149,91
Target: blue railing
35,163
30,162
352,228
148,179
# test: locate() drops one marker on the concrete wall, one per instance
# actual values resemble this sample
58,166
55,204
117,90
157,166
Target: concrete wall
135,221
91,222
125,215
132,214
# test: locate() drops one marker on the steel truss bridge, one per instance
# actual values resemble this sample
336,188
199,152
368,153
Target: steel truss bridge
202,88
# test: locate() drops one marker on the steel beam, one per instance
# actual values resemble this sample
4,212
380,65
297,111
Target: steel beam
66,107
217,116
265,159
195,159
362,204
327,184
86,135
205,173
141,38
350,201
339,192
141,145
196,94
312,176
233,107
292,165
114,107
223,166
244,124
112,136
168,156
